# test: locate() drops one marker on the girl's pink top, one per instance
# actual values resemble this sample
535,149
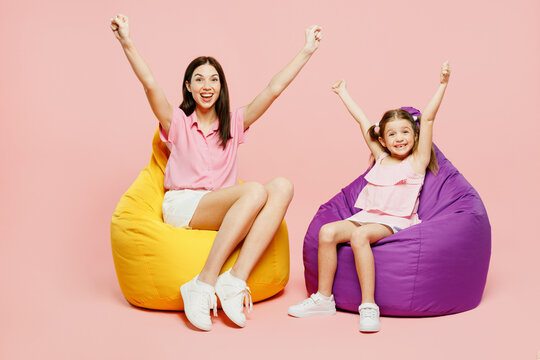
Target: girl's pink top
198,161
391,194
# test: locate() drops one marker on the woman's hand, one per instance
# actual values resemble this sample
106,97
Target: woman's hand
156,97
313,38
445,73
339,87
120,27
282,79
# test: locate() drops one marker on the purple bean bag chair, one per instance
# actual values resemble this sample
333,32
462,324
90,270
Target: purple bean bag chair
434,268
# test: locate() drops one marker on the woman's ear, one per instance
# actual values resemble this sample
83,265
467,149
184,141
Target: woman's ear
188,86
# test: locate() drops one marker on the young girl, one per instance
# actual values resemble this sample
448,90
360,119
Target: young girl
201,174
389,201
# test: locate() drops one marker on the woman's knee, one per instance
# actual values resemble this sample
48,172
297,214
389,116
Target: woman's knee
256,192
281,187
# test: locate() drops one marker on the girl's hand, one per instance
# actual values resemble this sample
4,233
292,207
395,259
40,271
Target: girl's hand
339,87
313,38
120,27
445,73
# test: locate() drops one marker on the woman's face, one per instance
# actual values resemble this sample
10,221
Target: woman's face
204,86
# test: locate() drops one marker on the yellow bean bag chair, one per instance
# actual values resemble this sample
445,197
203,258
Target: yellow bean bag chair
152,259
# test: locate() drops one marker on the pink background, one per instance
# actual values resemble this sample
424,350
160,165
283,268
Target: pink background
76,130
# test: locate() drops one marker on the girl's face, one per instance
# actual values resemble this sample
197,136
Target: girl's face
204,86
398,138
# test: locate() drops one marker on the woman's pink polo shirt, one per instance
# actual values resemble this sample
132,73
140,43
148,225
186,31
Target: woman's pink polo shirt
198,161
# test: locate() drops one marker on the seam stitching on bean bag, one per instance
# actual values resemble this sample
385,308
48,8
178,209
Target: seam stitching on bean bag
146,266
417,266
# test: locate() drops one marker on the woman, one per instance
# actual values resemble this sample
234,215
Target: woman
201,174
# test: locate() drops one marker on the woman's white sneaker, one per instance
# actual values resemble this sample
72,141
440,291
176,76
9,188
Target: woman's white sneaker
316,304
369,317
233,293
199,298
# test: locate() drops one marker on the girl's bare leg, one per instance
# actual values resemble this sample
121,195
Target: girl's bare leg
330,235
361,238
361,241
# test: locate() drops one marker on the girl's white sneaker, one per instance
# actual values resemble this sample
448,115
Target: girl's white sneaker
369,317
316,304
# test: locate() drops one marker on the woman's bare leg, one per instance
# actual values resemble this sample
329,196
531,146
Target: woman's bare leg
232,211
280,192
249,210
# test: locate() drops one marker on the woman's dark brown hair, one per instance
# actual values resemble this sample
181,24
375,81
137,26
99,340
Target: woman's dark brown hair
400,114
222,103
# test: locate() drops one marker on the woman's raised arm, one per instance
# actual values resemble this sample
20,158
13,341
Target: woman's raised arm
282,79
156,97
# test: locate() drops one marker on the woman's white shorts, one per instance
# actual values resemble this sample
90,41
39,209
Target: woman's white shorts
180,205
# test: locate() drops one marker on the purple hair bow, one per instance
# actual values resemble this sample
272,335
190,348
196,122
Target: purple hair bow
412,111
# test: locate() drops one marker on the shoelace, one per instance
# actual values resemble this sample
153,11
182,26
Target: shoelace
210,301
245,293
368,313
310,300
247,299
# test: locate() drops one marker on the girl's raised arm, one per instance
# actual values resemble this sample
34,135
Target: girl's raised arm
156,97
281,80
358,114
423,151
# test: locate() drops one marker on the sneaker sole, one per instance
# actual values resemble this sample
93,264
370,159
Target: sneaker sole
312,313
235,322
226,311
370,328
184,298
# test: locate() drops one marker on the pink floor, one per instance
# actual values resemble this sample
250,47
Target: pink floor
76,311
75,130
